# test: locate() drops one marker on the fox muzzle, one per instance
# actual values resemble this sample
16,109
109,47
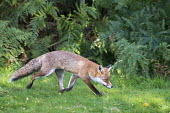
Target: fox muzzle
107,86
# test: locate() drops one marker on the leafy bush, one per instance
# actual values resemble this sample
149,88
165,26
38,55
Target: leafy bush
134,35
131,59
12,41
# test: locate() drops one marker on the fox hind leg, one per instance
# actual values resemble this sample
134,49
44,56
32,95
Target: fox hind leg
37,75
60,76
41,73
72,82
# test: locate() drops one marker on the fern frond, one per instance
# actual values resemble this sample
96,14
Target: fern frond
131,58
12,41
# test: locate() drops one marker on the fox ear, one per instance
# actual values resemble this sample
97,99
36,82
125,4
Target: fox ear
109,67
100,68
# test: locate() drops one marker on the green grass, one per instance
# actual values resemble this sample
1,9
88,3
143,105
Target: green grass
128,96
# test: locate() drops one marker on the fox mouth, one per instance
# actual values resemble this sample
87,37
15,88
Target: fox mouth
107,86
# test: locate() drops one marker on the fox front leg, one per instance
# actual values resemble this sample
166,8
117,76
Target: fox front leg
90,85
72,82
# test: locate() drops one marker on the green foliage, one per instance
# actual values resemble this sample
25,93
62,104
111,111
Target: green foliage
12,41
133,35
71,28
41,47
164,52
145,30
30,16
38,23
131,59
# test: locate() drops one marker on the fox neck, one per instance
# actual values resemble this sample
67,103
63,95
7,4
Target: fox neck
96,79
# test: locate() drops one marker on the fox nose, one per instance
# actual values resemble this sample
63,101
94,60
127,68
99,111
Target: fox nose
111,86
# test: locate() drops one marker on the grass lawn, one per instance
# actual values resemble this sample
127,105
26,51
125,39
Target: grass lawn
127,96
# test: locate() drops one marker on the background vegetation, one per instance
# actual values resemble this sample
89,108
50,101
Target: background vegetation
134,35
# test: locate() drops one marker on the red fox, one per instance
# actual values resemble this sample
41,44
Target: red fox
59,61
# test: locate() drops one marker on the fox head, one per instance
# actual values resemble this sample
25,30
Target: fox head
103,76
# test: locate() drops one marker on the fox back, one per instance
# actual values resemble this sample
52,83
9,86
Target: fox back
64,60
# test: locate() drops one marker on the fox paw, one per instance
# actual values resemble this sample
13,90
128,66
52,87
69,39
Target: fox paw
99,94
68,89
62,91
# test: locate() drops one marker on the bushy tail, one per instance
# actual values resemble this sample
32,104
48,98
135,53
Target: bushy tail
29,68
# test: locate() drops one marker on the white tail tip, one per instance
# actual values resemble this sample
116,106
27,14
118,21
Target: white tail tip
9,80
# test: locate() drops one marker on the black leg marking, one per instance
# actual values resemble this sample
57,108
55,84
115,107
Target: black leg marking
90,85
72,82
62,91
30,85
68,89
